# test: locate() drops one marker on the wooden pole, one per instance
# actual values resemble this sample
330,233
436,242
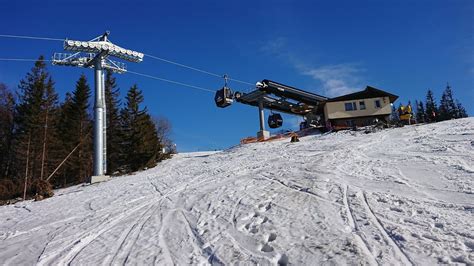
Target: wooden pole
65,159
26,168
57,168
44,145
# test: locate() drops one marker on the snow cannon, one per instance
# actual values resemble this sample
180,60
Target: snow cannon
224,97
405,113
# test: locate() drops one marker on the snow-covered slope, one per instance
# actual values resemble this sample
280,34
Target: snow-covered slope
399,196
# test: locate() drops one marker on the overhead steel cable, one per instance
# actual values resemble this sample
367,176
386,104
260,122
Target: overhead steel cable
24,59
171,81
148,55
128,71
243,82
30,37
185,66
196,69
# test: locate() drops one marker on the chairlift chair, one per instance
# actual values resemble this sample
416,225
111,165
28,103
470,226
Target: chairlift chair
224,97
275,121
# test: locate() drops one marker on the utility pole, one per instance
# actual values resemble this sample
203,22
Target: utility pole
95,54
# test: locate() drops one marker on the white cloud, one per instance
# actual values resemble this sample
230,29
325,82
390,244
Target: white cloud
335,79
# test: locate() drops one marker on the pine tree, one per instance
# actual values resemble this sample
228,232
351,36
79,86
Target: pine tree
50,113
36,122
447,107
7,114
114,134
80,107
62,177
394,117
420,112
140,146
431,107
461,110
75,127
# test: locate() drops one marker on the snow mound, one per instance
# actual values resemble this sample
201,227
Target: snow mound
398,196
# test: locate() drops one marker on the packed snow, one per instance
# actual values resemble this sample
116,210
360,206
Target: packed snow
398,196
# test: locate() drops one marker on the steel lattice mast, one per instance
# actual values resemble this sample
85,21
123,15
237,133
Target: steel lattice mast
95,54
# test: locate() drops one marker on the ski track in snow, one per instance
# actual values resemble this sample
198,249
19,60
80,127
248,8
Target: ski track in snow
360,242
400,196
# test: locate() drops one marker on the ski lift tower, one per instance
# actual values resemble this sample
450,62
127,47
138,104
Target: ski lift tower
95,54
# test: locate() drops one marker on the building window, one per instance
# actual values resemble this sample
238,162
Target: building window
377,104
362,105
350,106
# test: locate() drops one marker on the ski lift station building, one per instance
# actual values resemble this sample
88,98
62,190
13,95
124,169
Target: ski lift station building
359,108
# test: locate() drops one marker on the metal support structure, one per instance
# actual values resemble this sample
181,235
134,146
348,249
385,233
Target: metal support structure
261,114
104,114
98,120
97,52
262,134
104,126
275,96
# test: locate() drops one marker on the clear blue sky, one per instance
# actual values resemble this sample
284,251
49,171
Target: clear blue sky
328,47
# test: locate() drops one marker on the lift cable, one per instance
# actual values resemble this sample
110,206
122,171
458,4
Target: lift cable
30,37
196,69
171,81
148,55
128,71
24,59
185,66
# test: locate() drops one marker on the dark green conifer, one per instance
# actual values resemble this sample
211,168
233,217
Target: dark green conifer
420,112
394,117
36,122
431,107
461,110
7,115
140,146
114,134
75,128
447,107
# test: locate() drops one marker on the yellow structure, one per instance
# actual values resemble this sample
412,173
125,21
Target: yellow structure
405,113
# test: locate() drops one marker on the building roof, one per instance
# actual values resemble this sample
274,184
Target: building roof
369,92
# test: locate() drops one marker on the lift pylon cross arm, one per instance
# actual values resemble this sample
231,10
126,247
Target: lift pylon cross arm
95,54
